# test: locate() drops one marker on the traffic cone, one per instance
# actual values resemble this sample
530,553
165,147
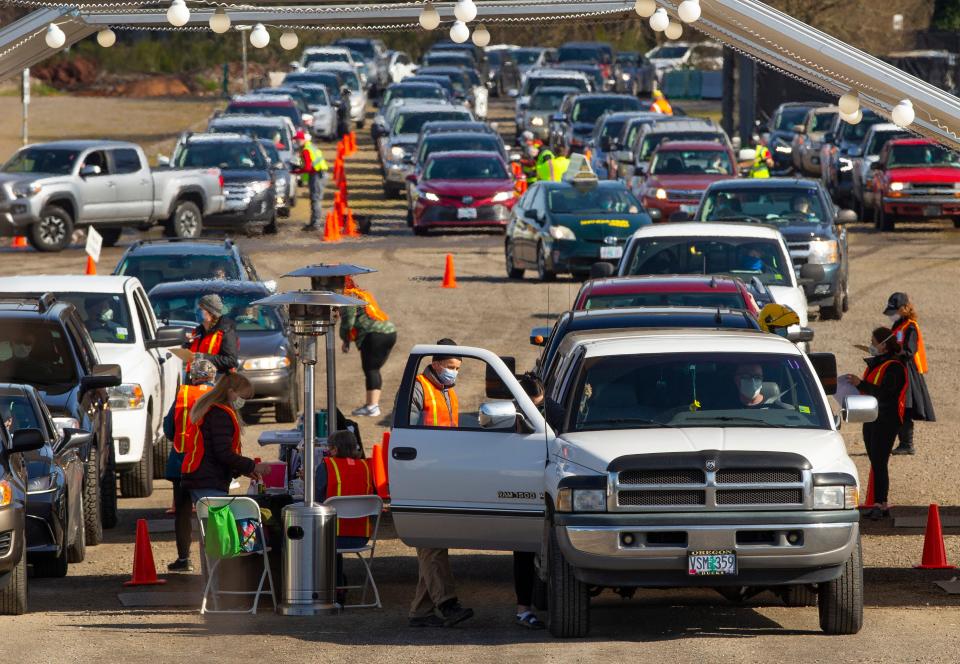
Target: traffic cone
331,229
19,242
934,553
869,500
449,274
144,571
91,266
380,465
351,225
341,150
351,144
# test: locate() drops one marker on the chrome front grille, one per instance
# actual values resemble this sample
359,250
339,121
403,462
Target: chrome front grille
663,498
237,197
799,251
930,189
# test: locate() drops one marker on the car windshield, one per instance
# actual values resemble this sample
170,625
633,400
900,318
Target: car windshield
524,56
533,84
272,134
668,52
315,95
821,122
55,161
329,81
35,353
446,60
880,139
599,200
788,117
236,306
737,256
475,168
923,155
412,92
547,101
588,110
451,142
106,316
666,299
310,58
273,110
153,270
691,162
608,130
696,390
225,155
412,123
788,205
271,149
652,141
579,54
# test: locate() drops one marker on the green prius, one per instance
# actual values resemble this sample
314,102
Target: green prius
566,227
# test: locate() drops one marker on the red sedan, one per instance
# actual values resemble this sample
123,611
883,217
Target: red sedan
669,291
463,190
680,171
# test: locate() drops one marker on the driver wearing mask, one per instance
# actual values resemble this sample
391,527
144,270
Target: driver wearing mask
22,345
800,205
100,318
748,379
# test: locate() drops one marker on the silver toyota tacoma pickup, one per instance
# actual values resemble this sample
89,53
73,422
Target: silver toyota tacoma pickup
48,189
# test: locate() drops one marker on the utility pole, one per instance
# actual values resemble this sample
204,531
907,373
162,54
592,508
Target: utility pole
243,29
25,99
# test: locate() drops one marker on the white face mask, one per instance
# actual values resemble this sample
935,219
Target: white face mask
874,350
21,351
107,316
894,317
238,403
750,387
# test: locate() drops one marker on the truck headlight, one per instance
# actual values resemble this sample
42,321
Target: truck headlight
396,153
26,189
581,500
6,493
897,186
503,196
266,363
835,497
562,233
128,396
260,186
536,121
824,252
430,196
661,194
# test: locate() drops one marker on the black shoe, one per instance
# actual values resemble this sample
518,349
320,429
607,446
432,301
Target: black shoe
903,449
453,613
425,621
311,227
180,565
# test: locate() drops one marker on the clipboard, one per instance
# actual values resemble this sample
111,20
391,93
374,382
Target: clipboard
183,353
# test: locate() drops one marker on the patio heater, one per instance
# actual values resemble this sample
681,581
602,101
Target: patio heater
309,530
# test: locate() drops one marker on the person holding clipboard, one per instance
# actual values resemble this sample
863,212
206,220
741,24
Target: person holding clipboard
214,339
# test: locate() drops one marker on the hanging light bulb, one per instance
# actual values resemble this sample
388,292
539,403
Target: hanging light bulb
55,37
660,20
645,8
219,21
689,11
459,33
903,114
178,14
259,36
849,103
481,37
429,17
289,40
106,37
853,118
674,30
465,10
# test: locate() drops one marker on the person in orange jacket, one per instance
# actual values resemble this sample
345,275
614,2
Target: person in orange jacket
660,104
903,319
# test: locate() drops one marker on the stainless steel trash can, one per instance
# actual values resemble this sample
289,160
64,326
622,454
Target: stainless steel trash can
309,560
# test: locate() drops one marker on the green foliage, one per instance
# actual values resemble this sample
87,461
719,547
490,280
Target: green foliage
946,14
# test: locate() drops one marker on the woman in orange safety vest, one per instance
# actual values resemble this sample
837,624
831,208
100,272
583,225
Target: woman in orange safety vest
903,318
215,338
370,329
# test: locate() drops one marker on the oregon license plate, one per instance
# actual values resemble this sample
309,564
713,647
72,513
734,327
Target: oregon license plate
611,252
931,210
466,213
711,563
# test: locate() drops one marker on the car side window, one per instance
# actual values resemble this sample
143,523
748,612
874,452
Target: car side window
126,161
97,158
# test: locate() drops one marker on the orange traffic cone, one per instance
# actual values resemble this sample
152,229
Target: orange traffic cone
351,225
869,500
331,229
351,144
341,149
934,553
91,265
144,571
19,242
449,274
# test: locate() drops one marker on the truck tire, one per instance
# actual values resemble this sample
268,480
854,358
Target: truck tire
108,493
92,521
834,311
110,236
137,482
568,598
799,595
13,598
161,452
186,221
53,231
77,550
841,600
52,566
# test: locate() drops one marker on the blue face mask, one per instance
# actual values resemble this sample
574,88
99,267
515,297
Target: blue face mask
448,376
752,263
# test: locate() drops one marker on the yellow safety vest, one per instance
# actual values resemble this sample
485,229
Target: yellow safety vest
316,157
560,166
759,168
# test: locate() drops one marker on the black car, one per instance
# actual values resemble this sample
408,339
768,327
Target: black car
47,346
54,523
266,355
160,261
572,125
13,507
837,152
781,132
802,211
627,319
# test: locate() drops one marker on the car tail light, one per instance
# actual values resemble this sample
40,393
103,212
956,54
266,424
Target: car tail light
221,182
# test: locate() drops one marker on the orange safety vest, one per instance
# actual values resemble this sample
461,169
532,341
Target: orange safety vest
193,450
372,310
875,376
208,344
920,357
184,428
519,179
435,411
350,477
661,106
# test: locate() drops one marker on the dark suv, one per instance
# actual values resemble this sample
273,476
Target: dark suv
161,261
44,343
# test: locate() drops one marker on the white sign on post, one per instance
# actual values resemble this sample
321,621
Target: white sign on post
94,244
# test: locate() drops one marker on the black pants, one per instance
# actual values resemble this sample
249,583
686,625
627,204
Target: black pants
183,519
879,438
373,355
523,575
906,432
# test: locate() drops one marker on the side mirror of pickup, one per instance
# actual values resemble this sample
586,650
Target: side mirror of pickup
103,376
877,166
495,388
803,335
601,270
163,160
74,439
498,415
167,336
27,440
825,365
859,408
846,217
539,336
88,171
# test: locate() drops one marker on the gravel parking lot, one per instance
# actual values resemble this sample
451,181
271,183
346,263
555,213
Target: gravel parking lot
79,618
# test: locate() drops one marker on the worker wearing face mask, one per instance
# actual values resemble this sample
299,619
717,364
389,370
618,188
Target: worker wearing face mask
22,345
215,338
748,379
906,330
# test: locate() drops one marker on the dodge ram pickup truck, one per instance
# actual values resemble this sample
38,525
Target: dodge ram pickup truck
48,189
666,458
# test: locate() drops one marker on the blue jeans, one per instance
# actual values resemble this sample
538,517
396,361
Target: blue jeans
197,494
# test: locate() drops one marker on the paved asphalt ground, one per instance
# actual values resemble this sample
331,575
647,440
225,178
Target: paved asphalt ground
79,618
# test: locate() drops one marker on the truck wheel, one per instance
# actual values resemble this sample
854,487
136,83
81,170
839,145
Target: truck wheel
53,231
92,523
569,602
186,221
161,451
52,566
799,595
841,600
137,482
542,272
108,493
77,550
110,236
834,311
13,598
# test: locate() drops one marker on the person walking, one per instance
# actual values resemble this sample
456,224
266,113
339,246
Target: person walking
660,104
903,318
177,427
434,404
215,338
370,329
886,379
314,167
761,164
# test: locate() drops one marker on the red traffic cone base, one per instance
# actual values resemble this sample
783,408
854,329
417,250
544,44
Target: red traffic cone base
19,242
91,266
934,552
449,274
144,570
869,500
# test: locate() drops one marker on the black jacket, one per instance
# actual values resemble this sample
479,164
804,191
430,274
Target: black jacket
889,389
227,358
919,405
219,464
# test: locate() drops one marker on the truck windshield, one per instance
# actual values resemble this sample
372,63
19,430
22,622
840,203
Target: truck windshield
691,162
226,155
106,316
273,134
790,205
588,110
740,257
412,92
697,390
922,155
710,299
55,161
35,353
236,306
153,270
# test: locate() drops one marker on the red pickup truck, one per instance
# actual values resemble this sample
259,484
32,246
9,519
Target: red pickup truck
680,171
914,178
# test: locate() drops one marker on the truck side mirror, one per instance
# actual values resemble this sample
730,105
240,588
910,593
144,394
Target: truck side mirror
859,408
168,336
877,166
812,273
27,440
803,335
88,171
539,336
498,415
825,365
846,217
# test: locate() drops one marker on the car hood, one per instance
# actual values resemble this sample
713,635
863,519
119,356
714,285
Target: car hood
805,232
262,344
698,182
933,175
595,450
12,178
460,188
244,175
591,226
785,136
402,140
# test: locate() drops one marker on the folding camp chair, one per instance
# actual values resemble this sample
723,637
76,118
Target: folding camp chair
242,508
357,507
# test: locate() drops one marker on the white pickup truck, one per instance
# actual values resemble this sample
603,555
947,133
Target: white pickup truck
666,458
121,322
